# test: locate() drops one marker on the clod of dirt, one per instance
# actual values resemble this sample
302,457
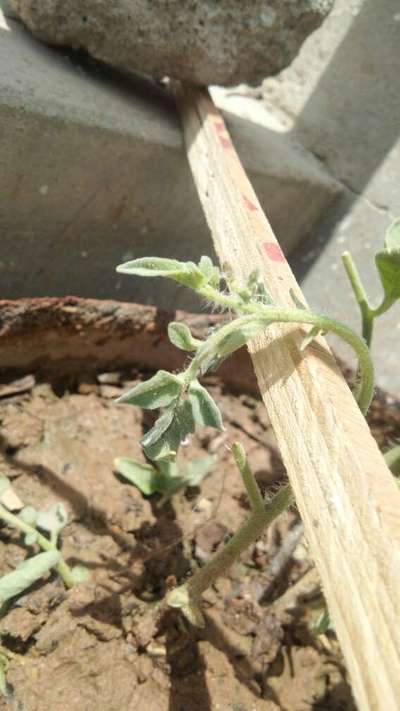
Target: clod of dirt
21,624
208,540
215,42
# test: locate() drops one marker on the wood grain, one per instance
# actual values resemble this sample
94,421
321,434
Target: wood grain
347,497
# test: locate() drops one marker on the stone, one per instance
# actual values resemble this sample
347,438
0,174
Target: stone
93,172
214,42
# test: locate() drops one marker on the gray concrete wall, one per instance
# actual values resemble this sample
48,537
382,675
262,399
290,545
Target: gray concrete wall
93,172
341,99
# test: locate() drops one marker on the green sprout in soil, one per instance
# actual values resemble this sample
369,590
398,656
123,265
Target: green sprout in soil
164,477
187,597
31,523
184,402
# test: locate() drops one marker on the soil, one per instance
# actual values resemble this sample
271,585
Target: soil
109,643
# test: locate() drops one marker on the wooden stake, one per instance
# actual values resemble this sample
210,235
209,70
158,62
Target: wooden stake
347,497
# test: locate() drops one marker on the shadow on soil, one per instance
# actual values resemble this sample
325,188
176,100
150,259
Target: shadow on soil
188,682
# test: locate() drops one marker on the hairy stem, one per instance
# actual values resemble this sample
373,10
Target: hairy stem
248,533
62,568
187,596
267,314
257,502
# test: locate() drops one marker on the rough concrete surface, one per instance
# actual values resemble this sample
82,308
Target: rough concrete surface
341,99
214,42
93,172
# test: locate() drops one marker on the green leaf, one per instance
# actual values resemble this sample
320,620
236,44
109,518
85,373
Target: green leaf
168,470
4,664
171,481
30,538
257,288
205,410
186,273
388,262
163,440
299,304
392,237
171,488
147,479
179,334
160,426
389,271
239,337
160,391
322,623
29,515
211,364
27,573
313,333
53,520
197,469
211,272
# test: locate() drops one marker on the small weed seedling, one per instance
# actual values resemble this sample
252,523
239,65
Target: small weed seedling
30,522
165,477
185,403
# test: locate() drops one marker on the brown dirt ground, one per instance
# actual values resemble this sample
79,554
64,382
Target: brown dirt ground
108,644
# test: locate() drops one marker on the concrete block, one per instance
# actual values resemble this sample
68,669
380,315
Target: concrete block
220,41
342,97
93,172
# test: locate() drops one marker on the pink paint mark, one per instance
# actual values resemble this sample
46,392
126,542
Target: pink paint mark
274,251
225,142
220,126
223,135
250,205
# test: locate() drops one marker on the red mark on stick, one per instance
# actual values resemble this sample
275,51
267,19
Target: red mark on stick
220,126
225,142
223,134
250,205
273,251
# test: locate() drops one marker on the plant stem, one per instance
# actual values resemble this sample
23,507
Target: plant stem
368,314
267,314
187,596
62,568
257,502
387,302
247,534
361,297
